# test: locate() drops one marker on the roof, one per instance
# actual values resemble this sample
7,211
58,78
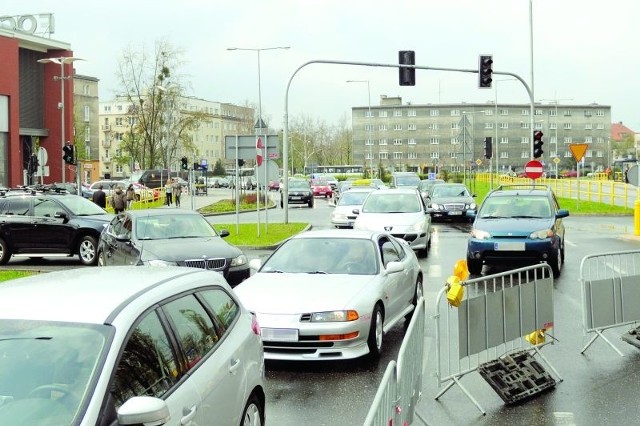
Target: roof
619,131
88,295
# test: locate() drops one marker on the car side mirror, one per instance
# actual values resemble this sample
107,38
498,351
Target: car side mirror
355,211
60,215
123,238
255,264
224,233
393,267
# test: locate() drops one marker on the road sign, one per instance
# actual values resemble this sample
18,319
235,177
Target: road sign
632,175
578,150
247,146
478,161
259,147
533,169
556,160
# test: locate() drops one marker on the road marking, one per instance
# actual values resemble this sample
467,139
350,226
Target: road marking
570,243
563,418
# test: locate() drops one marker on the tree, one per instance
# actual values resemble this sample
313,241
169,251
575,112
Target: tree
159,131
218,168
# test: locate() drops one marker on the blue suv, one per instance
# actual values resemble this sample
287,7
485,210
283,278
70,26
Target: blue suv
517,224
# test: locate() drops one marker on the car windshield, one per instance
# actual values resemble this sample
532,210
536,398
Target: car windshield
319,182
352,198
80,206
515,207
47,370
324,256
407,181
298,184
162,227
450,191
391,203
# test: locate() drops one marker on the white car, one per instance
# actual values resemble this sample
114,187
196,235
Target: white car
343,215
332,294
128,345
400,212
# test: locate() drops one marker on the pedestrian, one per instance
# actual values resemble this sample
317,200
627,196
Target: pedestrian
131,195
626,175
168,190
177,191
99,197
118,200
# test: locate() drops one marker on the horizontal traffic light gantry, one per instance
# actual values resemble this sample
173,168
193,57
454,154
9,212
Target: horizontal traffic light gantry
485,71
537,144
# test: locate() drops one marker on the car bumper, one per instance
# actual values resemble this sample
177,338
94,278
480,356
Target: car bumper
450,214
300,199
512,250
417,241
307,346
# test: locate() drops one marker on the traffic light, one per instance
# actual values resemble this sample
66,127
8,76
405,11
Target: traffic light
67,154
240,162
488,147
407,75
33,164
196,166
485,71
184,163
537,144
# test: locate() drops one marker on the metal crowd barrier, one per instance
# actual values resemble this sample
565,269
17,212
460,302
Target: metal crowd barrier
400,390
493,318
610,285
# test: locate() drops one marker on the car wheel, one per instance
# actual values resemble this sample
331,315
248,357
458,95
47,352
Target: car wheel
474,266
102,259
311,204
87,250
374,341
5,254
422,253
253,414
556,263
416,296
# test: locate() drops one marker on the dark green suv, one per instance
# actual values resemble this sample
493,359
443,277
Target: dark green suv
517,224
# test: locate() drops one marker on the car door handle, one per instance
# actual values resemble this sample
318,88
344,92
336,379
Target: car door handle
234,364
189,414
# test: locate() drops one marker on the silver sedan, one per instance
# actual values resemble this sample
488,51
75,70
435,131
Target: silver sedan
332,294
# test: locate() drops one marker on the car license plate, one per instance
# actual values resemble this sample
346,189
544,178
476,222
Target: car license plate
296,198
279,334
350,224
511,246
455,213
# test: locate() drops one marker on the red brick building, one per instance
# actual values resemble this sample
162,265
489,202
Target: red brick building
32,114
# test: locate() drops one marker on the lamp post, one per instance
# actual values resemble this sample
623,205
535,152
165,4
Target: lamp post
496,121
368,123
260,130
464,142
555,101
62,61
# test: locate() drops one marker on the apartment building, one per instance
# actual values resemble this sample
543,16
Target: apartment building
222,119
432,137
86,126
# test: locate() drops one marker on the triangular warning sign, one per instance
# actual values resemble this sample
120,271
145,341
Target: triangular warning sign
578,150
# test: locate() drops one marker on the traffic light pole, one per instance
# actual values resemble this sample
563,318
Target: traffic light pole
285,133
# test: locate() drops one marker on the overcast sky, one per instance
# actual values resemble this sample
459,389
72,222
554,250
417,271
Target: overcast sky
585,51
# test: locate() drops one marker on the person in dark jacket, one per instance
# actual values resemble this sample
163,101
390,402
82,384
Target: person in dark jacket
119,200
99,197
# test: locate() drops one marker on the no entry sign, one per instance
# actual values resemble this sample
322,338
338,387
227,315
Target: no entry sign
533,169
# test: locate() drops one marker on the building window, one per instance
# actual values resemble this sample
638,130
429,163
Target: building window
384,155
107,108
411,141
397,156
87,113
435,155
411,127
118,121
600,126
552,139
599,140
504,154
588,113
553,112
85,89
412,155
382,142
553,126
588,126
488,125
524,124
411,113
433,126
504,139
504,112
455,126
434,113
488,112
455,113
538,112
588,139
118,168
568,154
434,141
525,154
397,113
87,134
382,113
504,125
382,127
455,141
599,154
453,155
397,141
397,127
368,127
567,113
537,126
368,156
368,114
568,139
368,142
524,139
599,113
567,126
524,112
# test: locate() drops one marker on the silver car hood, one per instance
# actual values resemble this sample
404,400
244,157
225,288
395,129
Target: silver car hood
289,293
378,221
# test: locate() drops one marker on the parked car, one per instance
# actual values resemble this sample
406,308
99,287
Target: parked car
569,174
161,237
142,192
404,179
298,192
332,294
108,186
321,188
401,212
450,201
128,345
38,224
343,215
518,224
274,185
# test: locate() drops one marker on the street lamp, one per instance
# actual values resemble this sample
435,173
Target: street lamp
62,61
370,142
496,121
260,125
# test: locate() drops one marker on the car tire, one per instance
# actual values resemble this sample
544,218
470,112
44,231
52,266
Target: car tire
474,266
374,341
310,204
423,253
5,254
417,294
556,263
88,250
102,259
253,413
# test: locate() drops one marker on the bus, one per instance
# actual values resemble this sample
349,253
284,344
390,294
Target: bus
348,169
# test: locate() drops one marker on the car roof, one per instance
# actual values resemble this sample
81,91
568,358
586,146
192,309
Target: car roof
338,233
162,212
89,295
410,190
510,190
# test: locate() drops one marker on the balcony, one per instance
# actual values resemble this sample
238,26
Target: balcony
106,127
106,159
106,144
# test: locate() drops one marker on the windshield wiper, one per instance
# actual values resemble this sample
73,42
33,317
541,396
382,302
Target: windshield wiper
2,339
273,271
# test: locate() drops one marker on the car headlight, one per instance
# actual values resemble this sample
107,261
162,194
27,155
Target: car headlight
471,206
435,206
334,316
541,234
239,261
480,235
418,226
159,262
